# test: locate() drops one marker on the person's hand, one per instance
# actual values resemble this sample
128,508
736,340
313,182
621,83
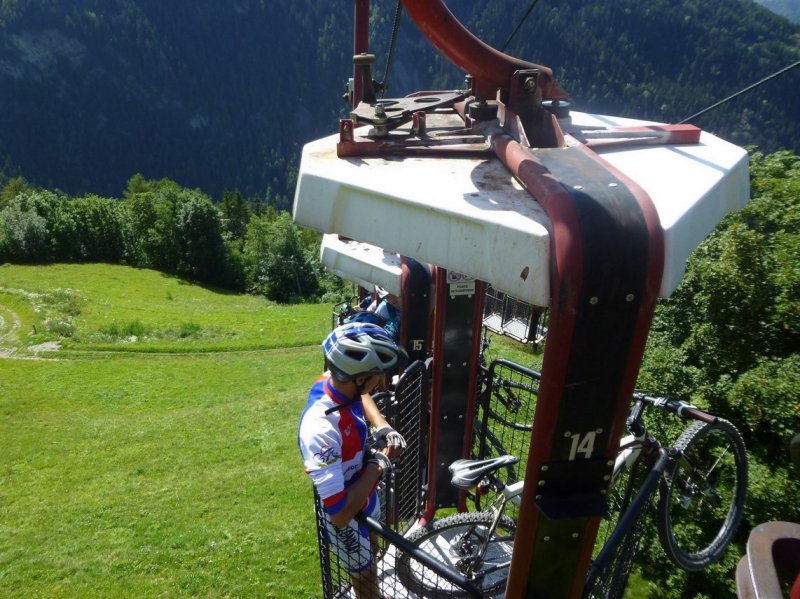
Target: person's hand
381,459
388,438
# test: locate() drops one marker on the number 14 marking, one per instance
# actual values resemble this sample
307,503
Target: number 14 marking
583,445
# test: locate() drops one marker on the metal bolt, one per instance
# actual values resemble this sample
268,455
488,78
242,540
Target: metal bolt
545,468
530,85
629,297
610,463
599,431
567,434
594,300
541,483
575,535
612,185
578,187
547,538
538,497
606,477
380,111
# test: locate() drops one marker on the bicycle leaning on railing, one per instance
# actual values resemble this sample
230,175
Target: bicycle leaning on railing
701,483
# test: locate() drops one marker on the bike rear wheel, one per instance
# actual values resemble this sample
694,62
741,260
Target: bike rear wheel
700,507
455,542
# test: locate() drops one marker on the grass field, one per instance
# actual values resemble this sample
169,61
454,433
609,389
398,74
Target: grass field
170,473
148,437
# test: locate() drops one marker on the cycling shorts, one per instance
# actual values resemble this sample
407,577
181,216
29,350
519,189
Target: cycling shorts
351,543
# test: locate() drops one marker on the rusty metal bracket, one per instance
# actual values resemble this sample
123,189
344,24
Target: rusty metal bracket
389,113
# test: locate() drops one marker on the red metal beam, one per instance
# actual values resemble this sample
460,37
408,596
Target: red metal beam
360,45
491,70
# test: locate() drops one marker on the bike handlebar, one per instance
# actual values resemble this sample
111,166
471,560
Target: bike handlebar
681,408
419,554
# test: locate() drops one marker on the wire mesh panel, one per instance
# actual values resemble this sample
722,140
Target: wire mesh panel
347,560
407,414
506,315
505,416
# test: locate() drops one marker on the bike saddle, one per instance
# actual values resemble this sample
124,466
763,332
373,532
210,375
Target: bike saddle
467,473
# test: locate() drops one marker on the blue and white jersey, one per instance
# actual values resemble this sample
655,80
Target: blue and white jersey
332,445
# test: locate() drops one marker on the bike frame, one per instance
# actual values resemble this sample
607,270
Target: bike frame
667,461
505,494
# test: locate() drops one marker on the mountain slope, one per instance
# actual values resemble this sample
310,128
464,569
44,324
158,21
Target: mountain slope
786,8
220,95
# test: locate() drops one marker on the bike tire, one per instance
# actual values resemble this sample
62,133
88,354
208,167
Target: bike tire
698,517
450,540
507,417
613,580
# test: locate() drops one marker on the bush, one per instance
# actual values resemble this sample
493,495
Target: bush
23,235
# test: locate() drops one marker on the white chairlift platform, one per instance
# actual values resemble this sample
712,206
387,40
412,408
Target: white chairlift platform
362,263
469,215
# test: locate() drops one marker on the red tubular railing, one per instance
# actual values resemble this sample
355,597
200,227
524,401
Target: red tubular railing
491,70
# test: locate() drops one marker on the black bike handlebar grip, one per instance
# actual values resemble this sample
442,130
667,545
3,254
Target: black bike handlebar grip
687,411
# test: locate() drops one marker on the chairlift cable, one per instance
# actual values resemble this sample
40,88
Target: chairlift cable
740,92
392,43
521,21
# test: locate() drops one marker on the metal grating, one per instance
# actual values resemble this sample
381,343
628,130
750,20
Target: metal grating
505,315
504,420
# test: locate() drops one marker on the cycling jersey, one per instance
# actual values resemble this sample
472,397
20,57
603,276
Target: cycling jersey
332,445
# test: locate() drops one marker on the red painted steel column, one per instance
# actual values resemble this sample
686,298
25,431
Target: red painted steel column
360,45
568,279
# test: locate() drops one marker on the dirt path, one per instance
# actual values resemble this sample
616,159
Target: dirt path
10,323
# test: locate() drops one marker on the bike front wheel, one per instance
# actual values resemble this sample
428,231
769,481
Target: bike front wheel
460,542
701,502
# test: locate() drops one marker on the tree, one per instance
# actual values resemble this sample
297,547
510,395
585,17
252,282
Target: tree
13,188
23,235
277,264
99,223
729,341
198,229
236,214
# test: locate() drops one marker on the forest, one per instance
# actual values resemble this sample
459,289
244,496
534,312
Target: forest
97,90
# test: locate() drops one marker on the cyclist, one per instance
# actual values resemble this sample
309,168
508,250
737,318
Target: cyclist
332,438
382,309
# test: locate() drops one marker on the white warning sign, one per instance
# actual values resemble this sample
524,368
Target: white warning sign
459,284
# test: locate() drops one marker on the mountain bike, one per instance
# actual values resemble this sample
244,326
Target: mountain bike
701,482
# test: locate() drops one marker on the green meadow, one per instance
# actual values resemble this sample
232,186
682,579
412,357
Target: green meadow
147,437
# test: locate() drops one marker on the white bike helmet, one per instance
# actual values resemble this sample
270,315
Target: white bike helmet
358,348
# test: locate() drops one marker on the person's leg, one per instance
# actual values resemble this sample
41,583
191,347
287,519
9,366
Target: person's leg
354,546
365,583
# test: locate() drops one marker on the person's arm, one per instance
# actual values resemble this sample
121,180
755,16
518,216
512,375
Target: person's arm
371,412
357,494
376,419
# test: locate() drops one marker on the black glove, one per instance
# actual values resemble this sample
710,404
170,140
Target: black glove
387,436
381,459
